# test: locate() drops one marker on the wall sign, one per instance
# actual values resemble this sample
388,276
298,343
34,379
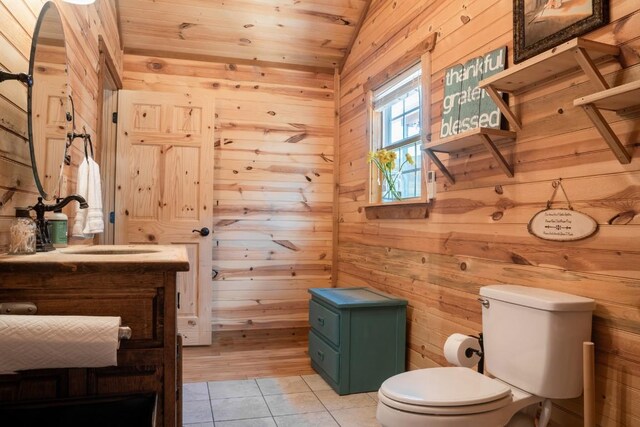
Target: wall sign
562,225
466,106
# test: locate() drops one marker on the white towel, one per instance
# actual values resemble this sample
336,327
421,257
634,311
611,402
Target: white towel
43,342
89,221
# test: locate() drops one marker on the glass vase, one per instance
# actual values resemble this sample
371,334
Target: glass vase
390,189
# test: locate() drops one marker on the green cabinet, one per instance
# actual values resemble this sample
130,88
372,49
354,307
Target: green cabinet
357,338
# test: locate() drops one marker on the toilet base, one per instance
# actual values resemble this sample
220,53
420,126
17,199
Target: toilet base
390,417
521,420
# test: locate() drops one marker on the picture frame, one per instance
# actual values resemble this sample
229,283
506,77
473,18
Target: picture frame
539,25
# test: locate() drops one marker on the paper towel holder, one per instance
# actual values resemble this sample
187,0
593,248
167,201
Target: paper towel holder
18,308
29,308
124,333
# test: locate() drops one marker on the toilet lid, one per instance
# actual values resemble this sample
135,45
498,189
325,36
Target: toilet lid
446,410
444,387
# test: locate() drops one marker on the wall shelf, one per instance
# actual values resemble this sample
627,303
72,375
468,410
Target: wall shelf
561,60
479,137
569,57
397,210
619,99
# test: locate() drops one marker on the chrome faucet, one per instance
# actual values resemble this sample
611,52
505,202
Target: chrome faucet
43,240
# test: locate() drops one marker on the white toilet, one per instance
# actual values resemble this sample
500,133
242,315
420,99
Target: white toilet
532,349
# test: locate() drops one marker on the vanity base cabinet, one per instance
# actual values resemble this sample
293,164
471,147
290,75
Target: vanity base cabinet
357,338
147,363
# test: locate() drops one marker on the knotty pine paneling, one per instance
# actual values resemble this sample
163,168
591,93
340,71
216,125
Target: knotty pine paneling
83,25
476,234
310,34
273,184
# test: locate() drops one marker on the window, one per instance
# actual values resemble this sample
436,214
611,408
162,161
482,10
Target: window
397,125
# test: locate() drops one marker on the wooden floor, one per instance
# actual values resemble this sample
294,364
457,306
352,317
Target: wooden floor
239,355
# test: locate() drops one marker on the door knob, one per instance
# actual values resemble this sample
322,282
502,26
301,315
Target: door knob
204,231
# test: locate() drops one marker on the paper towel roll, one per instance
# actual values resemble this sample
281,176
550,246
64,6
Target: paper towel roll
455,350
43,342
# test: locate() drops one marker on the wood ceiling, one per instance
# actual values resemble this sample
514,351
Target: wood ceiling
310,33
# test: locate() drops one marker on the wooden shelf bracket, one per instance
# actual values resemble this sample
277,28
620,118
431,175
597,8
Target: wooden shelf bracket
618,99
607,133
440,165
485,137
589,67
511,117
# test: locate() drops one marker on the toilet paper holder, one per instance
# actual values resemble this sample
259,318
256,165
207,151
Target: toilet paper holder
471,351
29,308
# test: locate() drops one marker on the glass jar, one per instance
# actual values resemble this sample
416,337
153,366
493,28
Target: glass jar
22,233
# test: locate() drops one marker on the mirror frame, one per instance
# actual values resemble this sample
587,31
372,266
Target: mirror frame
34,44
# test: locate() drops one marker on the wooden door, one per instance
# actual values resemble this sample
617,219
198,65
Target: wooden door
108,163
164,189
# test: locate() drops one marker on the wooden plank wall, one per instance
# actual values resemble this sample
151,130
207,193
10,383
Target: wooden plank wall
83,25
476,234
273,184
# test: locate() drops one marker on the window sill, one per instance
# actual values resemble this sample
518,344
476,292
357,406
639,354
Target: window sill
404,209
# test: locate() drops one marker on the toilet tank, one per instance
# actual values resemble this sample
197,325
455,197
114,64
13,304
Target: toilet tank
533,338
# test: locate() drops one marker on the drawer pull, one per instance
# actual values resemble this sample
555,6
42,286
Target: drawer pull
18,308
320,355
321,321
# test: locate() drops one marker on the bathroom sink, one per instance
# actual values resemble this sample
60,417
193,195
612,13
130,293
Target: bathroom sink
107,250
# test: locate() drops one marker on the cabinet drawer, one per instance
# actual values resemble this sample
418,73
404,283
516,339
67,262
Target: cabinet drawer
325,322
326,357
138,308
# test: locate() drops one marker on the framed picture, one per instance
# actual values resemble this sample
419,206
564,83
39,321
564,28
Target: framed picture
539,25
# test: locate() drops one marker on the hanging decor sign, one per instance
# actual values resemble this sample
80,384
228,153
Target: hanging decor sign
561,224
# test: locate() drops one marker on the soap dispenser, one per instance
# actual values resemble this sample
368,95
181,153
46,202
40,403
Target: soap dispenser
58,231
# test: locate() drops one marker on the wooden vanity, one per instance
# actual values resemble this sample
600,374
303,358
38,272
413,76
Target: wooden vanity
137,283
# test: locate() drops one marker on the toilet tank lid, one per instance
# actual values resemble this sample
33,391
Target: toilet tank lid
542,299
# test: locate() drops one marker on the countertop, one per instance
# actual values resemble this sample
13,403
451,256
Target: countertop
99,258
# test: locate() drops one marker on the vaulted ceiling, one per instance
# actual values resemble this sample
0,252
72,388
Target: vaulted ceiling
316,33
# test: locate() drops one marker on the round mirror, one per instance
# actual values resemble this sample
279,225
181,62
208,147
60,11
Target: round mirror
47,102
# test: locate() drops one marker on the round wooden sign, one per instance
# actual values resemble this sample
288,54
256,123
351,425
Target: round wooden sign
562,225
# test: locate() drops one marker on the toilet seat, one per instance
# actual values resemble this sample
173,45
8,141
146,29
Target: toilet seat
444,391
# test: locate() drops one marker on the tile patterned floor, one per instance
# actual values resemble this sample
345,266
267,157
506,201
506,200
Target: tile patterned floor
300,401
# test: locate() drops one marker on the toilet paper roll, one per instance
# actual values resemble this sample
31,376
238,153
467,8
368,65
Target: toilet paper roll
43,342
455,349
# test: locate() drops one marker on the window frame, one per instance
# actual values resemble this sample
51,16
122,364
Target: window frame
374,189
393,93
